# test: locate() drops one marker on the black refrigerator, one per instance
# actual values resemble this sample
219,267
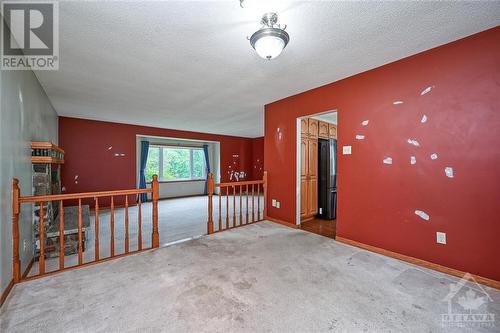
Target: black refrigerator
327,179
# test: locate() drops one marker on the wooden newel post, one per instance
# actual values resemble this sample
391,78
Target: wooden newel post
155,240
264,178
210,190
16,209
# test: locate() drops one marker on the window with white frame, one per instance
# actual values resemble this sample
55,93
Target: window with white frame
175,163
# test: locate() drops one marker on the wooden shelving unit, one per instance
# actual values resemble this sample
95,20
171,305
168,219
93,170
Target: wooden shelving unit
46,160
46,152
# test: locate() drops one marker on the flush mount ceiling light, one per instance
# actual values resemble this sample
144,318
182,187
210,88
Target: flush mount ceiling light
270,40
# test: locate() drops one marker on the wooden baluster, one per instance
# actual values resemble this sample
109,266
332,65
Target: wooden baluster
258,202
41,239
139,222
112,228
234,206
227,207
220,208
127,242
96,221
241,208
253,204
16,209
155,237
246,193
210,191
80,233
61,235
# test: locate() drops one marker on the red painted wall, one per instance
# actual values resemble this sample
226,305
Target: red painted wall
258,158
86,144
376,202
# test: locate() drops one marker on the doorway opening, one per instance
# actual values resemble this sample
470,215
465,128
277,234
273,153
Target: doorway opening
317,173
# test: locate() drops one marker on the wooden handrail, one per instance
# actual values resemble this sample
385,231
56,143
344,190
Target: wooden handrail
69,196
17,200
233,188
247,182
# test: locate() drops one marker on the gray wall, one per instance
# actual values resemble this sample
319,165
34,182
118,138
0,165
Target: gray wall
26,115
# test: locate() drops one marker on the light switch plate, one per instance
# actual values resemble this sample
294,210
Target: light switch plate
274,203
347,150
278,205
441,237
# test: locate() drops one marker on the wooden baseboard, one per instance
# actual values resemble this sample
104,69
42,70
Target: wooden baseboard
419,262
288,224
6,292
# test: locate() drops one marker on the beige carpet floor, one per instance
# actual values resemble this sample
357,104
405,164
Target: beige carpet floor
178,219
259,278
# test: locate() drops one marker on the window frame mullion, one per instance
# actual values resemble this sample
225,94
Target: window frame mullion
160,162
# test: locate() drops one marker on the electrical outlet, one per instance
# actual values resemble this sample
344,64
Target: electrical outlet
346,150
274,203
25,245
441,237
278,205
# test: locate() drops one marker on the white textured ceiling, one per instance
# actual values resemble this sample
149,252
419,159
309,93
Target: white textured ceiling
187,65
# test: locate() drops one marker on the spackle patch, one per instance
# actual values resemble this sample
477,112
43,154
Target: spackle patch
397,102
423,215
388,160
434,156
365,122
413,160
413,142
449,172
360,137
424,119
425,91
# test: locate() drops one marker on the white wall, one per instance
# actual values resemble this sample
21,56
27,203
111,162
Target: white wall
26,115
182,189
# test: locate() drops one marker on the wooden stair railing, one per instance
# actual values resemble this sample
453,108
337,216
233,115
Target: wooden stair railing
17,200
247,214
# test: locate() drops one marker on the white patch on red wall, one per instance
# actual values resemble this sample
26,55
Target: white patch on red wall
426,91
423,215
413,142
449,172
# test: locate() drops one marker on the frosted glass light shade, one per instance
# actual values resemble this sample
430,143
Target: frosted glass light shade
269,47
269,42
